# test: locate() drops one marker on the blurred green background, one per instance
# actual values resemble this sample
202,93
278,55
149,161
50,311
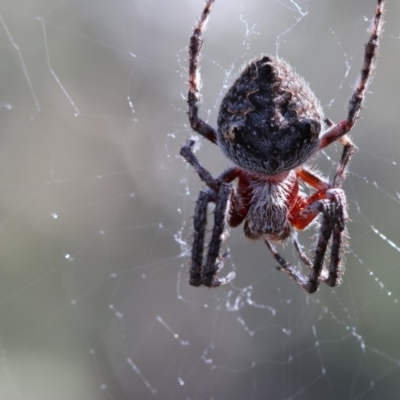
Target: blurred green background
96,205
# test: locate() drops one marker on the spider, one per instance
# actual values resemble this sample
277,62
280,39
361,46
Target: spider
270,124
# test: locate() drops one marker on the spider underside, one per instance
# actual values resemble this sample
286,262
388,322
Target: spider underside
270,124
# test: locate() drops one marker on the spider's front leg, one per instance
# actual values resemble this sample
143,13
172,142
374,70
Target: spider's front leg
356,100
194,97
220,192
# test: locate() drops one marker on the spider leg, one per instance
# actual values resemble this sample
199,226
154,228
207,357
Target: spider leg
347,153
311,283
292,271
356,100
330,203
324,207
199,224
324,235
194,97
368,67
227,176
306,260
187,153
214,261
332,224
336,268
206,274
220,192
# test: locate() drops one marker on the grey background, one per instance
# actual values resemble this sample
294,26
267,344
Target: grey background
96,208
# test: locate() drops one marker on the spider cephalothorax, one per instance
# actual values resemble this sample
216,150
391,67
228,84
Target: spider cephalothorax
269,125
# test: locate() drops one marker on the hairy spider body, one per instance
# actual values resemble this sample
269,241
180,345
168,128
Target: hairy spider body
270,124
270,120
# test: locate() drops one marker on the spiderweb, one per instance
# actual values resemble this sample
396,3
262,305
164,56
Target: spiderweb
96,209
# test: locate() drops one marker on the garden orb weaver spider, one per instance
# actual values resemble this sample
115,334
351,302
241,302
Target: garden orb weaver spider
270,124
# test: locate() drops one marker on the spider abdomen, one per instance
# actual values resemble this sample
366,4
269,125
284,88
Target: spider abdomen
269,121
